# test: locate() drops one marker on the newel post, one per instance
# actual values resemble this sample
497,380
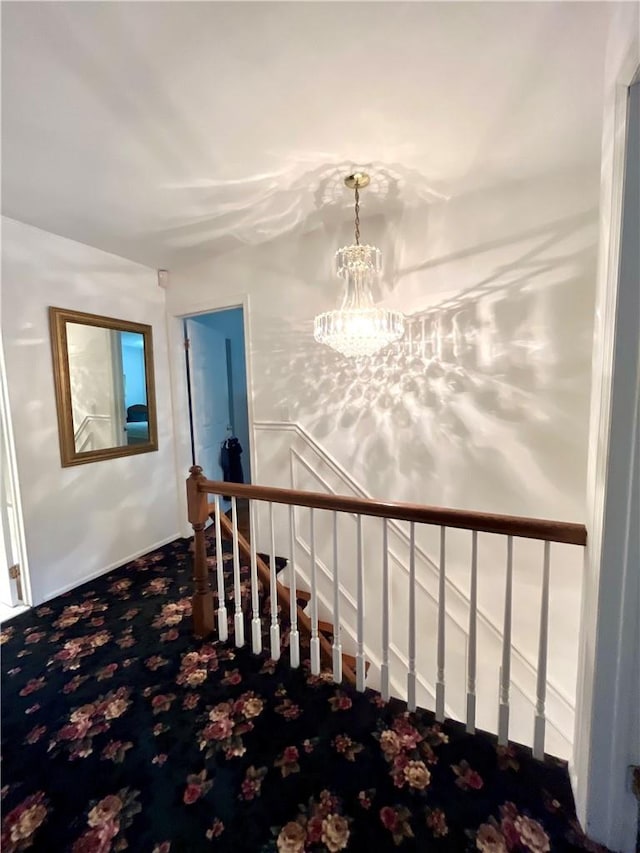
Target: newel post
202,601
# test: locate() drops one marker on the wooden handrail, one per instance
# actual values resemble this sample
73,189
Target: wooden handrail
509,525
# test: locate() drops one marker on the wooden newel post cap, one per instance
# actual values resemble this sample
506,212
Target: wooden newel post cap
196,497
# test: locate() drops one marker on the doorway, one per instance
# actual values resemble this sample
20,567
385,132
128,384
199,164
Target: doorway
218,397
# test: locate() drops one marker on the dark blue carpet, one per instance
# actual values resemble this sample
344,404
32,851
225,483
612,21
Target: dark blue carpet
121,732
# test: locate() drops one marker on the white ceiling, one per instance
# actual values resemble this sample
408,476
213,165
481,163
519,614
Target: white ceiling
159,130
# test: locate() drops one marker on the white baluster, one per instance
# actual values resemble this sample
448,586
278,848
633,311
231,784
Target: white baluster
384,669
256,627
411,676
505,669
315,639
337,629
360,665
274,632
223,628
441,631
238,620
472,652
541,691
294,637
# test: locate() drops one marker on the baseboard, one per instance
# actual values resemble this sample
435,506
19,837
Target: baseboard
116,565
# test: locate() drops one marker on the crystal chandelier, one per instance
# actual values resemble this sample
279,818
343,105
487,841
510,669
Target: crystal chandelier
358,328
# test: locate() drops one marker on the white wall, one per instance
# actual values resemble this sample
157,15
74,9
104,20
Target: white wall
511,268
83,520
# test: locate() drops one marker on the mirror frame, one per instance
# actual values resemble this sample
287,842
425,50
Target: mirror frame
58,319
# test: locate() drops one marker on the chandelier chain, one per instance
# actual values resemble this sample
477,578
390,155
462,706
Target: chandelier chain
357,216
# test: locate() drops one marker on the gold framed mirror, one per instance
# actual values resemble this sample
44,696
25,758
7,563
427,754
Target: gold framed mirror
105,391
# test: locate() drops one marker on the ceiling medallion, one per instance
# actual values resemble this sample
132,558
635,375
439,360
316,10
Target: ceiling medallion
358,327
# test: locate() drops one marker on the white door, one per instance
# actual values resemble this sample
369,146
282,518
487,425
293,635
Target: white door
207,354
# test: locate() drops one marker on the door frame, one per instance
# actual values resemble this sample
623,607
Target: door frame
6,429
180,399
118,406
606,680
194,421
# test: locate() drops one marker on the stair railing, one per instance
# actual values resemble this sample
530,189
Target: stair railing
200,509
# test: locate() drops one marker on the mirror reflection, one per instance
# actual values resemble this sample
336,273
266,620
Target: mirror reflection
104,386
108,387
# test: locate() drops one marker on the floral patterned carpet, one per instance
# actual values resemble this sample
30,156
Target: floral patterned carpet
120,731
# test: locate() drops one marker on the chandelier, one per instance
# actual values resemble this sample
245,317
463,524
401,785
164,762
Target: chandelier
358,327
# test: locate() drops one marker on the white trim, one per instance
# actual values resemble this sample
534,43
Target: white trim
8,613
181,431
106,569
7,428
180,408
318,477
297,427
171,325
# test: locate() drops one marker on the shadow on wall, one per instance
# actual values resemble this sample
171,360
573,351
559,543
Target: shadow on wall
494,380
265,207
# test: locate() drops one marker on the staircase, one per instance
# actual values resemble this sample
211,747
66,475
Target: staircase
298,621
296,461
285,600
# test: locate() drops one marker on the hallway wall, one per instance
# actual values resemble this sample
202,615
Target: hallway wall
80,521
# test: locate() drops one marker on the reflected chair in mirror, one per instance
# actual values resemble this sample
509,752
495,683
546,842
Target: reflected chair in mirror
137,424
